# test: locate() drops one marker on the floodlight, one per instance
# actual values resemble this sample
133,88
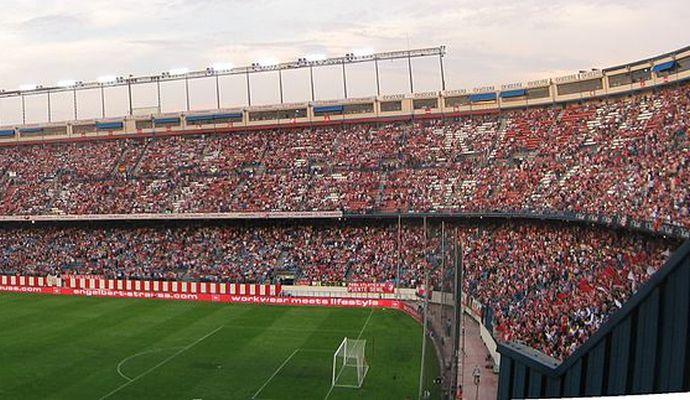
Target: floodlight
222,66
178,71
107,79
316,57
268,61
28,86
363,52
66,83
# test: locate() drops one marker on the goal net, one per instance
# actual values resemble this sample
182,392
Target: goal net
350,364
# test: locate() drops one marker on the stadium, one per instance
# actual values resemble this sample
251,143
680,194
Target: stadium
523,240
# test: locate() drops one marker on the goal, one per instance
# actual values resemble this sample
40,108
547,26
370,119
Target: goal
350,364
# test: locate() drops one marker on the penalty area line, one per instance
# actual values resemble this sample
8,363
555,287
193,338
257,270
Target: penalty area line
275,373
160,364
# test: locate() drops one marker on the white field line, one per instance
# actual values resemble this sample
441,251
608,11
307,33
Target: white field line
121,363
332,385
365,324
358,337
275,373
316,351
284,330
165,361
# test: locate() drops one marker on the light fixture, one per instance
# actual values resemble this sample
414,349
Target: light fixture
363,52
267,62
107,79
66,83
178,71
222,66
315,57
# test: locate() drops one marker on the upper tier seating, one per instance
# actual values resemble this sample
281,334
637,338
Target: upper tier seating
624,156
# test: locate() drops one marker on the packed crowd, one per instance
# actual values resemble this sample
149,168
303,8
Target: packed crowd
549,285
251,254
623,156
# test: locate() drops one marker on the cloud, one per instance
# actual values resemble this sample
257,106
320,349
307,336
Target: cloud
489,41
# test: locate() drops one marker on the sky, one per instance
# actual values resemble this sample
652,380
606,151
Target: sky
488,43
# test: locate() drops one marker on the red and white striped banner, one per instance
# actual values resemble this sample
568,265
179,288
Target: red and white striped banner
144,286
30,281
185,291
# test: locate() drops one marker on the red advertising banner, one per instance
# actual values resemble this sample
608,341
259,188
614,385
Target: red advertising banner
180,287
367,287
218,298
189,291
411,309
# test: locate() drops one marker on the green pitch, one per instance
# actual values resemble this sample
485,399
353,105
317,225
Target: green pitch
54,347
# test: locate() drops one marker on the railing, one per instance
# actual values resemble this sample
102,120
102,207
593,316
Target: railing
644,347
613,222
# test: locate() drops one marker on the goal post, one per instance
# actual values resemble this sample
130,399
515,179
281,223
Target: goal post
350,364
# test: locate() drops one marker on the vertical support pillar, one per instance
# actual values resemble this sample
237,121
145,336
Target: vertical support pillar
459,313
102,102
249,90
311,81
158,94
378,82
50,114
280,85
217,92
344,81
186,91
23,110
443,74
426,316
129,97
74,103
409,70
399,277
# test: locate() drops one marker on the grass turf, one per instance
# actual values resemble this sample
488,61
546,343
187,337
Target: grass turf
55,347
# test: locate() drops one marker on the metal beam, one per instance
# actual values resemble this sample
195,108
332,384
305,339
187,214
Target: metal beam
254,68
344,82
409,69
186,92
158,95
249,91
443,74
23,111
74,103
217,92
425,324
280,86
102,102
50,114
129,97
378,81
311,82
